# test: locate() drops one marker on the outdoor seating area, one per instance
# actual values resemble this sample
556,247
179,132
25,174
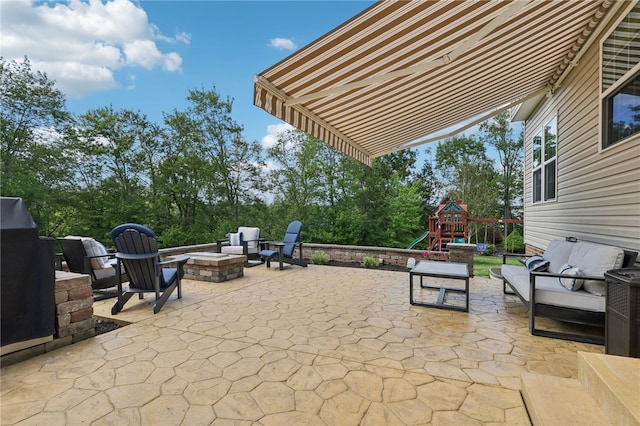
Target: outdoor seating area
317,345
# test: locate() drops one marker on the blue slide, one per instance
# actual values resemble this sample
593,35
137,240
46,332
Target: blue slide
417,240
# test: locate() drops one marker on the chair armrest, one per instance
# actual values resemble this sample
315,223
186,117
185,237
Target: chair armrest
505,255
142,256
221,243
280,243
111,255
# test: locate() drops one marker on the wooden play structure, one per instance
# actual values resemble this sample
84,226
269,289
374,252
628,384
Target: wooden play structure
448,224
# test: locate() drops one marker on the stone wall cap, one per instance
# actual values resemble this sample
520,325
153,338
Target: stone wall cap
461,245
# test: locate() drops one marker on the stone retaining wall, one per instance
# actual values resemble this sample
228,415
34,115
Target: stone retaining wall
73,320
344,253
461,253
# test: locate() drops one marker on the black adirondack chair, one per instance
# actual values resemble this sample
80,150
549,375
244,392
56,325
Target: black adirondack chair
103,280
283,251
137,251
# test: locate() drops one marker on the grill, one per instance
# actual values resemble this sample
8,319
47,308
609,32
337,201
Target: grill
27,279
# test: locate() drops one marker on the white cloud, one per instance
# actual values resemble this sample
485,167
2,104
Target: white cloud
273,130
80,44
282,43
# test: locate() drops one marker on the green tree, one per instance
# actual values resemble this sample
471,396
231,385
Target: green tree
469,175
114,169
35,164
498,133
225,169
431,188
405,206
374,204
297,184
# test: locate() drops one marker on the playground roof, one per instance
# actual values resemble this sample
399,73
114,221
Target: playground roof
453,206
402,73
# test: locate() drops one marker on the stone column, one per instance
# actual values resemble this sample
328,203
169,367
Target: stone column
462,253
74,308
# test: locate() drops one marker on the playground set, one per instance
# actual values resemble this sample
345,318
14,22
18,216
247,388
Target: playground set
449,224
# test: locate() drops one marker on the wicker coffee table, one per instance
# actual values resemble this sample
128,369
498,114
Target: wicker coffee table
445,270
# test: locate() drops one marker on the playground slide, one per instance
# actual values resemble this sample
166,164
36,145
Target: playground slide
417,240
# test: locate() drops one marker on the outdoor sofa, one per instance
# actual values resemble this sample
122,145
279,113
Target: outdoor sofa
566,283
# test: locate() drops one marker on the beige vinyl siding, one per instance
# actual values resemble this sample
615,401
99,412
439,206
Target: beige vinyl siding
598,192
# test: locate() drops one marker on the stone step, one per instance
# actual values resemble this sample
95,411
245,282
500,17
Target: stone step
553,401
613,382
607,392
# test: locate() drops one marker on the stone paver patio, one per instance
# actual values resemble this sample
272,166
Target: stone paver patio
304,346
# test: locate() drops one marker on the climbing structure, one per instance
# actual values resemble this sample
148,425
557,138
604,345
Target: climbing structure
447,224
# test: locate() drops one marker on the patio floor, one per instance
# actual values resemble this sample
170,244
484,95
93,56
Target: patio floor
303,346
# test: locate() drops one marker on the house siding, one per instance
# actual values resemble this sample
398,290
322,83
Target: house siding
598,191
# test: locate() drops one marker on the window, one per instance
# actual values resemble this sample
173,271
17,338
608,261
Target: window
620,85
545,145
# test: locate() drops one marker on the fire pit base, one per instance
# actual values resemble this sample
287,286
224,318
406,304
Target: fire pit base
214,267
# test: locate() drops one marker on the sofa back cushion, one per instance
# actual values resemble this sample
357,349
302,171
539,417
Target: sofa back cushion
594,260
557,253
251,236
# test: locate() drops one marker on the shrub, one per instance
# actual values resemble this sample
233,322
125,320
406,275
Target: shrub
319,258
369,262
514,242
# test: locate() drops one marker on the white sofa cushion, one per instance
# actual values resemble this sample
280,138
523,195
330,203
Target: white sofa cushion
557,253
594,260
232,249
104,273
537,263
94,248
251,236
550,292
235,238
574,283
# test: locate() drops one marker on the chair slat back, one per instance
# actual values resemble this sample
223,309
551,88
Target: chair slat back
74,253
136,239
291,236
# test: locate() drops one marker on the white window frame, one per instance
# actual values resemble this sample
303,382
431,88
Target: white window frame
545,162
617,85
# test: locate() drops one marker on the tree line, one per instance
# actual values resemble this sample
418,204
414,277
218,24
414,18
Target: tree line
194,177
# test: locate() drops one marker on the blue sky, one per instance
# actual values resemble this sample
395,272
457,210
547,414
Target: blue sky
146,55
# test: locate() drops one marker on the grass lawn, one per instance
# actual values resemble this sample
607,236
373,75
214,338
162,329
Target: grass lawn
482,264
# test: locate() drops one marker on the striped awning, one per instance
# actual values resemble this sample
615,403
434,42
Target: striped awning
403,70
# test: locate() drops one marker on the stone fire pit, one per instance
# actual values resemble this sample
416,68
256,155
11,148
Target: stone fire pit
214,267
